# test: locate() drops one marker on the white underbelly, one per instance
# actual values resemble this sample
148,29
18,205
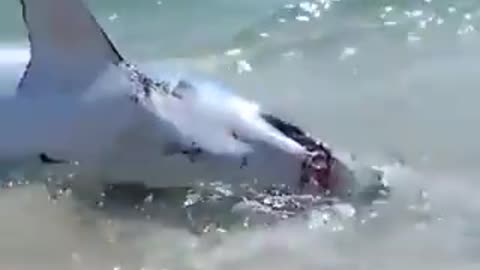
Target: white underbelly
146,163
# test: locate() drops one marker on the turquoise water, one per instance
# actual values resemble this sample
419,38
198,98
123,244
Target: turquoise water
380,79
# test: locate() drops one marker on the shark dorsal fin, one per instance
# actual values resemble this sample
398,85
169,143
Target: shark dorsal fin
69,49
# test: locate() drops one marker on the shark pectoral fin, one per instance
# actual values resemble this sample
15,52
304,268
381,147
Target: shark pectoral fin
46,159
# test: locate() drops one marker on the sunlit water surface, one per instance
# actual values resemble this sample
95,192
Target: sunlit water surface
392,82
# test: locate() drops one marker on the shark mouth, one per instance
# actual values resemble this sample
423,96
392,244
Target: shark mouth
317,166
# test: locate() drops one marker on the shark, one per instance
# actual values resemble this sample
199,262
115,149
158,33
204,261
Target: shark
80,101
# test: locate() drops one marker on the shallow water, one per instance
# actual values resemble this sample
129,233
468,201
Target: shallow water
385,80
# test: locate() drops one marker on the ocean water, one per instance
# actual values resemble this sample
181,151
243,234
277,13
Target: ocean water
392,82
